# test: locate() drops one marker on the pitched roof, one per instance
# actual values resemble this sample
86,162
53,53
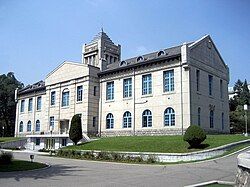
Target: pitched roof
38,86
102,35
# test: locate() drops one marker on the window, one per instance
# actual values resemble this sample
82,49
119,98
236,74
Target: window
127,87
52,122
211,119
21,127
64,142
38,141
168,81
29,126
95,90
198,80
169,117
147,118
52,98
221,89
79,93
110,121
94,121
199,116
222,121
65,98
146,84
37,125
110,90
210,84
127,120
123,63
39,103
30,105
22,106
160,53
139,59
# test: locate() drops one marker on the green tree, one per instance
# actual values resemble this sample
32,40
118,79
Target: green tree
8,85
75,131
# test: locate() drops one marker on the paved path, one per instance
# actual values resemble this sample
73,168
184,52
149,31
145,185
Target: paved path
71,172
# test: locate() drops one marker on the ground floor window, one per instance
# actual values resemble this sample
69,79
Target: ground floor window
64,142
38,141
147,118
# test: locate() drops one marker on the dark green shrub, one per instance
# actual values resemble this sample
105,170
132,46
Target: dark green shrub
75,131
151,159
103,156
194,136
88,155
5,158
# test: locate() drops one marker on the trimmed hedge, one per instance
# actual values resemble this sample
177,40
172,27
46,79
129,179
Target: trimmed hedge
194,136
5,158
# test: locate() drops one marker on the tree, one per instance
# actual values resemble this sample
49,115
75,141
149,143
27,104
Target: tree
75,131
8,85
194,135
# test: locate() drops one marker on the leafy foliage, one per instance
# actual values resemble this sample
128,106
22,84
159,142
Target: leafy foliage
5,158
75,132
194,136
8,85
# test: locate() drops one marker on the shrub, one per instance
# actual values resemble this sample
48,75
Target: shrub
5,158
75,131
151,159
194,136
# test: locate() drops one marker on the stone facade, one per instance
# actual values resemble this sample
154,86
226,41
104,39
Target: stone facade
169,105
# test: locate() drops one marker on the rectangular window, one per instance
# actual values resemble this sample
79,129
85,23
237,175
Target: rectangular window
127,87
39,103
22,106
146,84
30,106
64,142
221,89
79,93
110,90
168,81
52,98
94,121
198,80
210,84
65,98
37,141
95,90
51,122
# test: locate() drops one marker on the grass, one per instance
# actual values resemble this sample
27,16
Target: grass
161,144
21,165
9,139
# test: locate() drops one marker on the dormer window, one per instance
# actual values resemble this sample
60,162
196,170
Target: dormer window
123,63
160,53
139,59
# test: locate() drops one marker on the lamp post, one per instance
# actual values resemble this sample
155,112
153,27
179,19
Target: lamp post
246,109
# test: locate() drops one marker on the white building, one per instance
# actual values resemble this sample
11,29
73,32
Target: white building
163,92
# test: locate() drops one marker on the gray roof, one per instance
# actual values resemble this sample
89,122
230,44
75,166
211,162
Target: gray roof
102,35
38,86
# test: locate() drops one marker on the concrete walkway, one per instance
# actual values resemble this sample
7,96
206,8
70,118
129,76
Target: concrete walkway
71,172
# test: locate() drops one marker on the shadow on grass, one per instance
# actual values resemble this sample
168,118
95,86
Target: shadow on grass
200,147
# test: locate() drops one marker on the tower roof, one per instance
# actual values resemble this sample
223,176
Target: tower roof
103,36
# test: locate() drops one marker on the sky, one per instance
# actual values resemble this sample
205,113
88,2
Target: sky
37,36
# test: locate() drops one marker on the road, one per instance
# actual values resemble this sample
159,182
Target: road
71,172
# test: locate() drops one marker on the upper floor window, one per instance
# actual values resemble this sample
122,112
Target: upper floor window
168,81
95,89
65,97
79,93
210,84
30,106
160,53
221,89
127,87
211,119
52,98
198,80
37,125
29,126
52,122
22,106
39,103
169,117
110,121
110,90
21,127
147,118
199,116
127,120
146,84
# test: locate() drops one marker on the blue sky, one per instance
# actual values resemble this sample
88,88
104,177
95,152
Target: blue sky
37,36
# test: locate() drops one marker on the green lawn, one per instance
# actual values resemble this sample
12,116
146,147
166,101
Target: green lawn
21,165
164,144
9,139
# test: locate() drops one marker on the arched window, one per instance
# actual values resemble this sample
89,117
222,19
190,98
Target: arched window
29,126
139,59
110,121
199,116
211,119
65,97
21,127
123,63
160,53
37,125
169,117
127,120
147,118
222,121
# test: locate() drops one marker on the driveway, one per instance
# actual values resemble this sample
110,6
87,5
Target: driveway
71,172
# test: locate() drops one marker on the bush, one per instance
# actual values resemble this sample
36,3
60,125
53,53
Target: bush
5,158
75,131
194,136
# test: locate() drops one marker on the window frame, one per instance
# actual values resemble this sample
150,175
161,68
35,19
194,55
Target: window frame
79,91
22,107
168,81
110,87
147,84
65,98
53,98
199,116
148,118
127,120
211,119
30,105
38,123
39,103
197,80
20,125
29,126
109,121
52,122
210,85
169,117
127,88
